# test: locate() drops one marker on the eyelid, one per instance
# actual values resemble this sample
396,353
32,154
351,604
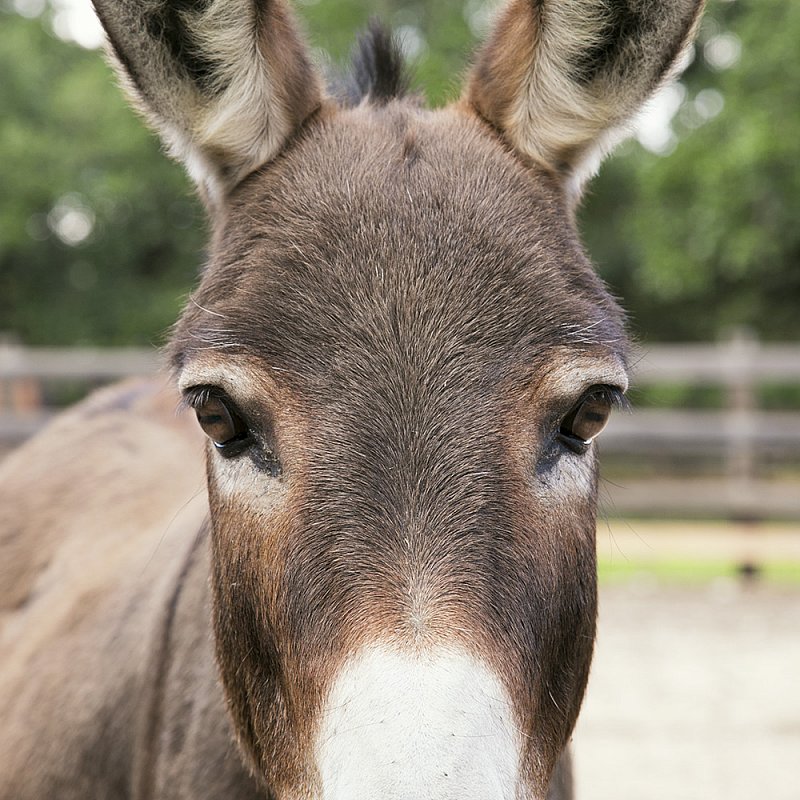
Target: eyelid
617,396
563,406
196,396
236,377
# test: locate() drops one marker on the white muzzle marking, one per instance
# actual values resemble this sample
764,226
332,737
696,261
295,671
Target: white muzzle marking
404,726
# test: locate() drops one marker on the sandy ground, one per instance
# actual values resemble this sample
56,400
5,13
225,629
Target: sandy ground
694,694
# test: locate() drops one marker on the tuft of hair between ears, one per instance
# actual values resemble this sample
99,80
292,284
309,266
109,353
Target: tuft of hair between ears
378,72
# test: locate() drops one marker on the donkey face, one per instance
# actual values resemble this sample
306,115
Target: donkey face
401,356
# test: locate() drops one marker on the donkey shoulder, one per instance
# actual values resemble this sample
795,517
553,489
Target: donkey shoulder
102,478
100,515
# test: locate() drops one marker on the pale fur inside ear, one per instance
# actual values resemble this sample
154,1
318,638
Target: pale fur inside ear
255,85
551,114
245,124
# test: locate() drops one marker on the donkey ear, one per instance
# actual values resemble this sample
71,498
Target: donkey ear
225,82
562,78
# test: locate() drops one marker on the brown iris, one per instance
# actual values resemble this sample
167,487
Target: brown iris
220,422
589,416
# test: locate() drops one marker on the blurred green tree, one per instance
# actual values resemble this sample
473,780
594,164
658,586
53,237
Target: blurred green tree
696,230
99,234
704,236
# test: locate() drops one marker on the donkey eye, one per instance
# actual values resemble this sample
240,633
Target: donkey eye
588,417
221,423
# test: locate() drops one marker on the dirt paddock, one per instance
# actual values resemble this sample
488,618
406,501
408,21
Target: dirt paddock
694,694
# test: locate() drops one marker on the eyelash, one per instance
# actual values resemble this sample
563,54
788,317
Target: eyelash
196,396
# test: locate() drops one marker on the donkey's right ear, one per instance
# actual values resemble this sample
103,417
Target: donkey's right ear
225,82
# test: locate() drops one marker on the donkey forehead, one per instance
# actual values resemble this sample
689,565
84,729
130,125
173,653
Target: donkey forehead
401,232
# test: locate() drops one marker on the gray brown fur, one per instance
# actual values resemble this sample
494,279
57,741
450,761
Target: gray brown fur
398,300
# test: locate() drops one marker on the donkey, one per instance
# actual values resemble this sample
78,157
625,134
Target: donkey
400,357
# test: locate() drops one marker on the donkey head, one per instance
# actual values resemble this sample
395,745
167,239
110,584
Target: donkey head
401,356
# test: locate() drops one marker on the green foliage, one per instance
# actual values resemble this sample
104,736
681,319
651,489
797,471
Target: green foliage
693,242
707,238
436,35
782,396
99,233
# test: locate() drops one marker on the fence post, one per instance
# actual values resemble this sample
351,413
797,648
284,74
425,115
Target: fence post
21,394
740,355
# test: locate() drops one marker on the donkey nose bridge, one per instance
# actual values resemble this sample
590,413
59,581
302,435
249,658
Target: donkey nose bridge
402,726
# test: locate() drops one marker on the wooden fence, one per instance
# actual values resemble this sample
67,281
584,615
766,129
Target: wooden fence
755,454
737,439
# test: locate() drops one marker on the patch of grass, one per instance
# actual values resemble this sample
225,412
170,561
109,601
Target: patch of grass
684,571
783,572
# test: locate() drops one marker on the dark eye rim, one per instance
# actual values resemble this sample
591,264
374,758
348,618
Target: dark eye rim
196,397
616,400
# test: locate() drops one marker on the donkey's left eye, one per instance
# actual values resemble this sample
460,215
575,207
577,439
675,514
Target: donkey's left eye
222,424
588,417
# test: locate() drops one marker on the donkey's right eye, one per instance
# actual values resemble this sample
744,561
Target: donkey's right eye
221,423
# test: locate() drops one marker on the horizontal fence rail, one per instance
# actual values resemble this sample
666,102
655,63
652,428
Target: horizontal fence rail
87,363
699,433
738,436
731,362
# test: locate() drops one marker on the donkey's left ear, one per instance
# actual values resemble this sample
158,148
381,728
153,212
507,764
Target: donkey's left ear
224,82
561,79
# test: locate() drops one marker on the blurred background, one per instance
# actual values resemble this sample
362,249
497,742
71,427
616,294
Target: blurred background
695,225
